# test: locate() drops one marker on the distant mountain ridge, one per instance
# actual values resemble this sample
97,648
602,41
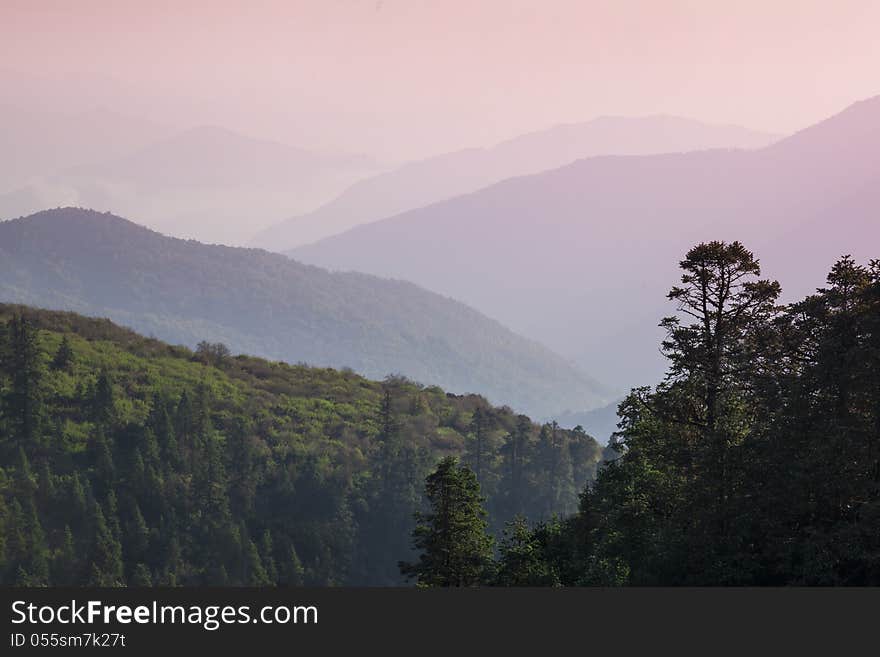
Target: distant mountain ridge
434,179
589,249
46,143
207,182
268,305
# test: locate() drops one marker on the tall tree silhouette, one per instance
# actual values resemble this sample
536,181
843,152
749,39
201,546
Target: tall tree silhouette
455,549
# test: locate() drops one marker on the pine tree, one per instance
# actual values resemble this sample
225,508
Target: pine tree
65,565
141,577
46,486
63,359
515,453
37,562
25,481
22,402
102,458
78,504
476,447
184,429
138,536
103,400
253,571
722,295
268,557
293,573
243,479
163,428
553,474
455,548
390,498
106,555
726,303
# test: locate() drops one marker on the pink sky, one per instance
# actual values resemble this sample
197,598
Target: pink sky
407,78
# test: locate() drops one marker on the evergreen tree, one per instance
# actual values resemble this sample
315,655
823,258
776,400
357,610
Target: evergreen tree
65,565
267,556
515,454
553,474
163,428
292,572
103,400
106,554
36,562
726,303
141,577
77,501
22,402
253,571
476,445
451,537
25,481
522,561
388,500
63,359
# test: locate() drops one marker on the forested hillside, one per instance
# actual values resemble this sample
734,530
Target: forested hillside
270,306
129,461
755,462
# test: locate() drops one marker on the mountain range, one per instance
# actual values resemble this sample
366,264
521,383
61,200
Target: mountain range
441,177
268,305
206,182
45,142
581,257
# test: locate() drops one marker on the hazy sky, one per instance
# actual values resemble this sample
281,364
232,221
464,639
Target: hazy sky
406,78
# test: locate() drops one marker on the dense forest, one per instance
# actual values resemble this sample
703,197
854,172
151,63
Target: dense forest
128,461
755,462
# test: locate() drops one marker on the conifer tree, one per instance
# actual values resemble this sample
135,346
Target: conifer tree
515,455
141,576
65,568
36,562
726,304
63,359
268,557
22,402
475,447
455,549
253,571
106,554
293,573
103,400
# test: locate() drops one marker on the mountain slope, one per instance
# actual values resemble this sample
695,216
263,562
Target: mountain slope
590,248
194,457
207,183
268,305
427,181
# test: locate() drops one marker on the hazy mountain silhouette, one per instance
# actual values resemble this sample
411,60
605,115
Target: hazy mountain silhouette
600,423
39,143
207,183
434,179
266,304
581,257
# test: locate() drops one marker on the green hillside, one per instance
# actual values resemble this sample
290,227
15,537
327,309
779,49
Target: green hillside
268,305
126,460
